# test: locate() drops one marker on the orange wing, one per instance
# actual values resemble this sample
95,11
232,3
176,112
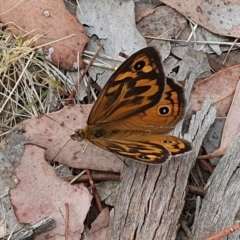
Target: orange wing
134,87
137,105
165,114
146,148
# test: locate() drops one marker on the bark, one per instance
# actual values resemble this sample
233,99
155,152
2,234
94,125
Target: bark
151,197
220,207
40,227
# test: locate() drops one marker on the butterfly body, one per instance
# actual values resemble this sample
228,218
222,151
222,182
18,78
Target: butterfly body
135,110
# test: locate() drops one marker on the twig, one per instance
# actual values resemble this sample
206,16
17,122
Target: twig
95,177
66,220
186,41
78,176
225,232
196,190
81,77
229,50
207,165
98,201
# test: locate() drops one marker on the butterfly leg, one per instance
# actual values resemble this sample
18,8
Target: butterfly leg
84,149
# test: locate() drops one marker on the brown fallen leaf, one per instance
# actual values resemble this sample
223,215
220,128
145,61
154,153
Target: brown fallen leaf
99,227
162,23
224,60
40,193
209,14
53,22
231,127
53,132
140,13
220,87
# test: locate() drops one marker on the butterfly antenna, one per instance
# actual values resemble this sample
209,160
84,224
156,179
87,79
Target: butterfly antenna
53,160
61,124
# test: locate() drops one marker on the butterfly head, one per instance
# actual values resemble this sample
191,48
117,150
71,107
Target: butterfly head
79,135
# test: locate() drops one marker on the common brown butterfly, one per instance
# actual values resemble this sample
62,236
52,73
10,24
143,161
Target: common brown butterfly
136,109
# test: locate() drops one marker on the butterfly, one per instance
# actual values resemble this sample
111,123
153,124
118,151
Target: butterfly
134,111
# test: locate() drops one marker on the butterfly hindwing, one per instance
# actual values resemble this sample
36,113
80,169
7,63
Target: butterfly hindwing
165,114
150,148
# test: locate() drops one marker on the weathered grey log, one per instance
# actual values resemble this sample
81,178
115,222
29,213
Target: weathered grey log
151,197
221,206
26,233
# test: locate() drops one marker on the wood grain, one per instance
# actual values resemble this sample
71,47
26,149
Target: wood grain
151,198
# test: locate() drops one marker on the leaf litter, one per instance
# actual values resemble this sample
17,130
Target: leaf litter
54,42
53,133
99,227
40,193
231,127
221,96
46,135
209,14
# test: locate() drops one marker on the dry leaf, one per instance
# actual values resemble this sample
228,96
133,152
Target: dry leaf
51,20
112,23
164,22
212,140
206,41
193,63
99,227
53,133
40,193
7,175
220,87
231,127
143,12
107,191
3,228
216,62
217,16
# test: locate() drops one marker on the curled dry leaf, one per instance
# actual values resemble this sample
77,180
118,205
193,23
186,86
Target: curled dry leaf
40,193
231,127
100,226
53,22
53,133
220,87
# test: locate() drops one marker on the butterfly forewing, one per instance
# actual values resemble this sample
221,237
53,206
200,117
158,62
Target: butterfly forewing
136,86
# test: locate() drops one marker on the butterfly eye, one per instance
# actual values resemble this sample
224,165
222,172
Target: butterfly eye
99,133
139,65
164,110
